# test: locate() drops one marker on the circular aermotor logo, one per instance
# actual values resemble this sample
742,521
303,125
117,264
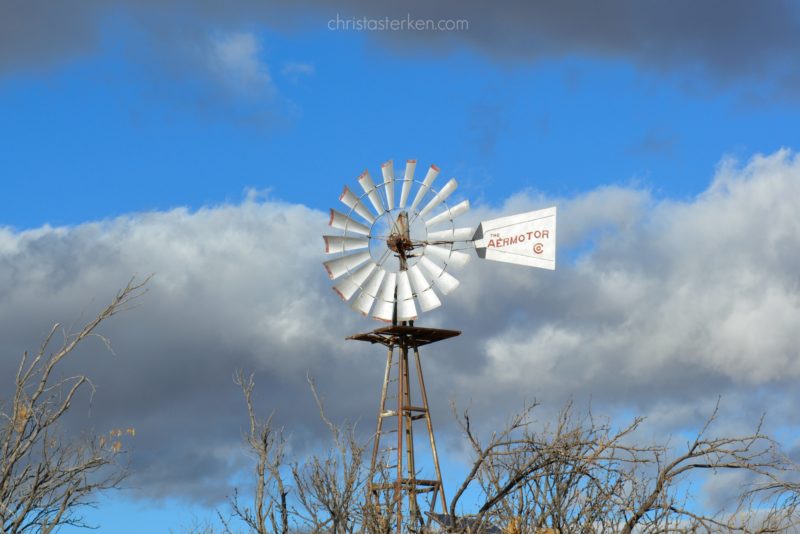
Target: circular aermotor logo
538,248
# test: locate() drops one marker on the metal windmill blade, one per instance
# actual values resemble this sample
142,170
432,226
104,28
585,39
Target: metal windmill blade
376,259
408,181
366,183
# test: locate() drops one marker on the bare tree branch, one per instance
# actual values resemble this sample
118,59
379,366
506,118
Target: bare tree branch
44,478
267,445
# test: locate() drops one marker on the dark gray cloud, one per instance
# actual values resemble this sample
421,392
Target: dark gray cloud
657,308
37,34
712,41
171,374
704,43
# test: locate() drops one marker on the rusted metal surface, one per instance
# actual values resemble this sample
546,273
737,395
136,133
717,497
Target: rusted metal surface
406,408
413,505
398,492
417,336
381,414
438,490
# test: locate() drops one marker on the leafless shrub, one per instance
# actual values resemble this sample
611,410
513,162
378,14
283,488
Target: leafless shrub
327,489
576,475
44,476
270,510
581,475
330,486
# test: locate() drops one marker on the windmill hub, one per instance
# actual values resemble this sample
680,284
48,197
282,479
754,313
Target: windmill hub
399,240
396,236
399,243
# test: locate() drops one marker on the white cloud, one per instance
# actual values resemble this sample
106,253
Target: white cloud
296,70
657,308
234,59
674,299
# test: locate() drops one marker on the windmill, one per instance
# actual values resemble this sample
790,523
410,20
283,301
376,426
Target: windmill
392,259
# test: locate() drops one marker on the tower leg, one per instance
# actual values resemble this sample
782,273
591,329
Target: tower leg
423,393
372,496
398,484
411,480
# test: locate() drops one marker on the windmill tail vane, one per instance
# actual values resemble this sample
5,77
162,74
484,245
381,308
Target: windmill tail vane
392,260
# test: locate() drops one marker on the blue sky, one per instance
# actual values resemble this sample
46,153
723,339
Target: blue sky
120,130
195,141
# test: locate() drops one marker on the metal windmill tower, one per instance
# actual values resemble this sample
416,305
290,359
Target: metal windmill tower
393,258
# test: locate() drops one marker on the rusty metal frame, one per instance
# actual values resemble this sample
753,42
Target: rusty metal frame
406,340
392,336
